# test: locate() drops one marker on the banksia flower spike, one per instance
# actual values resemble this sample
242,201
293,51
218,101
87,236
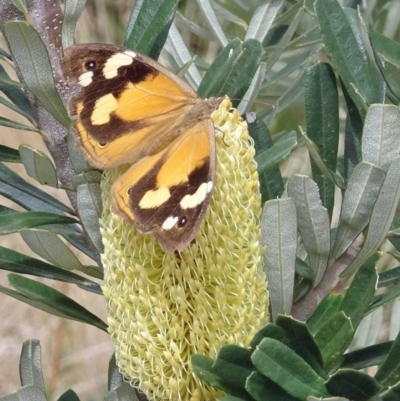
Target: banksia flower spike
165,307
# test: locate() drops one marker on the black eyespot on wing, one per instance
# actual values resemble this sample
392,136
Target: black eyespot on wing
182,221
90,65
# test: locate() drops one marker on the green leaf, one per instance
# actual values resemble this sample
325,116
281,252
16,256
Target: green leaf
328,307
38,166
50,247
341,35
268,159
388,373
322,117
392,394
223,376
353,134
72,11
13,91
381,217
279,236
5,122
30,54
9,155
262,19
14,222
69,395
367,356
353,385
362,191
334,337
313,223
149,24
90,206
263,389
19,263
13,187
381,139
50,300
283,366
30,364
361,291
389,277
271,183
232,71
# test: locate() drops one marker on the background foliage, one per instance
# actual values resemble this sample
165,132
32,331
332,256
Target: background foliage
323,80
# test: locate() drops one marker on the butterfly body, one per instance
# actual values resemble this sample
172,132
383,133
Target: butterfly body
131,110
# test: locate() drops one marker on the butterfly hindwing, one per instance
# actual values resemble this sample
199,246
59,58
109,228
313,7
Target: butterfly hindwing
131,110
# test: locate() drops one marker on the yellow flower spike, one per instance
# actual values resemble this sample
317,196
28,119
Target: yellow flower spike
165,307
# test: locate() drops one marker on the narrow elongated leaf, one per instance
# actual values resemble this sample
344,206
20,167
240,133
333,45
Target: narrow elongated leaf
368,330
149,24
50,300
115,378
13,91
342,39
212,21
322,117
353,385
283,366
15,108
232,71
382,216
38,166
13,187
394,328
30,364
5,122
14,222
72,11
362,191
329,306
90,207
389,277
388,373
48,246
313,223
262,19
360,293
9,155
279,236
334,337
353,134
392,394
35,68
19,263
367,356
271,183
269,158
381,136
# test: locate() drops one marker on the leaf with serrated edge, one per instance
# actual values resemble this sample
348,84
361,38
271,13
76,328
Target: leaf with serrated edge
313,223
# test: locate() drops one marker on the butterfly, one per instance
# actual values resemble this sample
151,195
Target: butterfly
128,109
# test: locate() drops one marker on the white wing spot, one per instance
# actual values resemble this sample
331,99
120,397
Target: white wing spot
191,201
103,108
85,79
131,53
210,185
169,223
155,198
110,69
